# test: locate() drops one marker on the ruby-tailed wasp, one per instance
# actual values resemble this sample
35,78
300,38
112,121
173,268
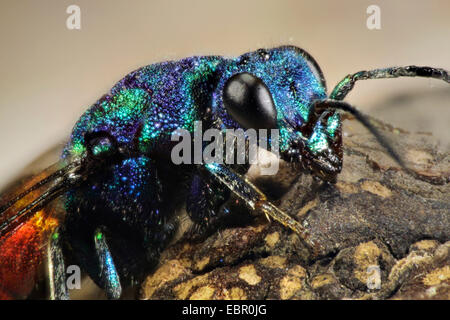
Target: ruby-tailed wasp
110,203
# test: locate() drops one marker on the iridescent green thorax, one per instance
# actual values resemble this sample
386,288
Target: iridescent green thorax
150,103
117,114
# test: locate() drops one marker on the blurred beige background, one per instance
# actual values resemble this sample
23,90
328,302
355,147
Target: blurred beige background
50,75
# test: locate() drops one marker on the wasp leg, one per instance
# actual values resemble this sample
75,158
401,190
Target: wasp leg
108,272
204,201
346,84
256,200
56,268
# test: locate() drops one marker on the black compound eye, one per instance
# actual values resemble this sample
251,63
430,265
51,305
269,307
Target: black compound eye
248,100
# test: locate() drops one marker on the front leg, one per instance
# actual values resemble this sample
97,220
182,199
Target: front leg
256,200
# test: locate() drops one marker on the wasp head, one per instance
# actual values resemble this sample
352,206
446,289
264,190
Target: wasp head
278,89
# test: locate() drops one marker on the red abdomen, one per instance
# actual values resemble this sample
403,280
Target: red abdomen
21,255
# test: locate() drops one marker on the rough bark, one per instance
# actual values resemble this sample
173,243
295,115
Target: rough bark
376,216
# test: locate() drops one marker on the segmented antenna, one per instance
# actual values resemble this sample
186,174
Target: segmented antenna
347,84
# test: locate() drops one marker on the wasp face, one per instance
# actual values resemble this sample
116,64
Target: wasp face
277,89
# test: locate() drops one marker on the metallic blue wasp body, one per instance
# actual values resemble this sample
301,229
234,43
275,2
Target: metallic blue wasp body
134,197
